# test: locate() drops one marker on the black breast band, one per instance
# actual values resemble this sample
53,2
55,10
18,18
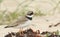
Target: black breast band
30,18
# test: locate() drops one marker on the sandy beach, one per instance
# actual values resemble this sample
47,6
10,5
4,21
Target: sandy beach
38,23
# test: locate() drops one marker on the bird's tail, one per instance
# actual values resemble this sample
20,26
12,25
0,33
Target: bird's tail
8,26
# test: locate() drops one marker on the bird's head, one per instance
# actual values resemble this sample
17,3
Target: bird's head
30,15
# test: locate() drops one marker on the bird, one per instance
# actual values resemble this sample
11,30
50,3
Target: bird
23,21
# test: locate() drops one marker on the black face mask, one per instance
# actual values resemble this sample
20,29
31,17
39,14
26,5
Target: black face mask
30,18
30,13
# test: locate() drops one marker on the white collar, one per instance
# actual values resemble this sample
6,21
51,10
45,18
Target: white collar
29,16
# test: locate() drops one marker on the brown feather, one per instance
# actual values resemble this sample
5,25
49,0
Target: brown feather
20,20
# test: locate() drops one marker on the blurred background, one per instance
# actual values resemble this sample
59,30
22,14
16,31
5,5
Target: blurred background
10,10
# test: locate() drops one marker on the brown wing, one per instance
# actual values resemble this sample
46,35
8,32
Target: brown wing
19,21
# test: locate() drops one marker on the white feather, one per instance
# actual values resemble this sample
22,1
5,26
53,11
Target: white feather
26,24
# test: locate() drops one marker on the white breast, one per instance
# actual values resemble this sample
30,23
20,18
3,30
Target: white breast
26,24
